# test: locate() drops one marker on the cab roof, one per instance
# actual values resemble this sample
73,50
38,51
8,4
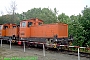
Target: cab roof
9,24
33,19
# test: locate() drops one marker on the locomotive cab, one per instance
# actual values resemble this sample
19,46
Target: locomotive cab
25,27
11,31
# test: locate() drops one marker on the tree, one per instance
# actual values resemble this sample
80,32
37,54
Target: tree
11,11
76,29
56,13
45,14
85,21
63,18
5,19
1,12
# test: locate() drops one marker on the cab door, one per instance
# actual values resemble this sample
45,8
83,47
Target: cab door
2,31
24,29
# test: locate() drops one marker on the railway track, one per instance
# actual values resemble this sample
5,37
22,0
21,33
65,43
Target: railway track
82,54
69,52
17,51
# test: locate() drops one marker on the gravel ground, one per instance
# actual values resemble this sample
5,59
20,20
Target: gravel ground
17,51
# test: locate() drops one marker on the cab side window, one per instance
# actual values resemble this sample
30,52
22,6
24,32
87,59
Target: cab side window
23,24
14,26
30,24
0,27
5,27
40,23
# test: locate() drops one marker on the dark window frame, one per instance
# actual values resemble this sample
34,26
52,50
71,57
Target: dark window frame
30,24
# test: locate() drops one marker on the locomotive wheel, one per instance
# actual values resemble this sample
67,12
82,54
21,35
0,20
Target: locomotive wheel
58,48
70,43
36,45
46,48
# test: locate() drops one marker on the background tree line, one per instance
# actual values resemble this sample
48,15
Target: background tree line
79,26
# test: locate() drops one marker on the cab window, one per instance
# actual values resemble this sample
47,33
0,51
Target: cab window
14,26
23,24
0,27
30,24
40,23
5,27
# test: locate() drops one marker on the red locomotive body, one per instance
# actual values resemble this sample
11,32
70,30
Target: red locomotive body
50,30
34,30
9,31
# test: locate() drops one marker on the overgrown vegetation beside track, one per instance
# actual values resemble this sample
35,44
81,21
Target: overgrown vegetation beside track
84,50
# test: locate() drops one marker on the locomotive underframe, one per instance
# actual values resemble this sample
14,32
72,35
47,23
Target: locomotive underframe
49,42
7,39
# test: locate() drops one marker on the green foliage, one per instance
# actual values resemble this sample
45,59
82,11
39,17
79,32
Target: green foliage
75,28
63,18
8,19
5,19
45,14
85,21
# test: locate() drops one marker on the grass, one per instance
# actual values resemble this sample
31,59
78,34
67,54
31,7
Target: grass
19,58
